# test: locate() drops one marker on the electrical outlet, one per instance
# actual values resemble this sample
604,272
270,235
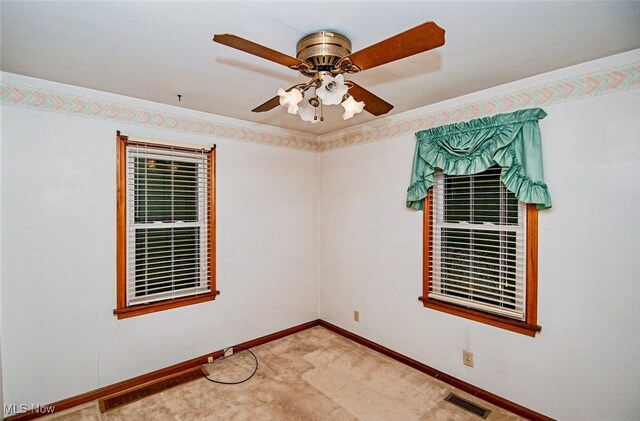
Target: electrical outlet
228,352
356,316
210,359
467,358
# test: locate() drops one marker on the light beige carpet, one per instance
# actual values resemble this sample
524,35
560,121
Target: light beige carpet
312,375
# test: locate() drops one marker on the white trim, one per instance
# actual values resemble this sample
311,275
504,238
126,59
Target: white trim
466,273
200,158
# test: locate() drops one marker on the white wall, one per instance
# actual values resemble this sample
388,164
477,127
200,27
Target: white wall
59,336
1,399
585,364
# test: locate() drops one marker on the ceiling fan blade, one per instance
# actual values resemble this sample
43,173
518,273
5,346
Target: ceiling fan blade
251,47
269,105
372,104
413,41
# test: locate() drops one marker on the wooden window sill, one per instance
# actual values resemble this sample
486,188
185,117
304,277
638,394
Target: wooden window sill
517,326
139,310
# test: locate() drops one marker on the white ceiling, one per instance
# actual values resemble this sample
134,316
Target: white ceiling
156,50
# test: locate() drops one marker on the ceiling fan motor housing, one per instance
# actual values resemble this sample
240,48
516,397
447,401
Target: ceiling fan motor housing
323,49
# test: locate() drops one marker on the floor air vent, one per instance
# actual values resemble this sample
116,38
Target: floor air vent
132,395
467,405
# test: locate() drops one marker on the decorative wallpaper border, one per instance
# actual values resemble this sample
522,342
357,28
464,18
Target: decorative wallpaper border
597,83
57,102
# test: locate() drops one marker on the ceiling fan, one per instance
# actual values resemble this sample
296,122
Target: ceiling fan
324,57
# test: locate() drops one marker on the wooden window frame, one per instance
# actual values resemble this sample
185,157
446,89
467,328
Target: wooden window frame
529,326
123,311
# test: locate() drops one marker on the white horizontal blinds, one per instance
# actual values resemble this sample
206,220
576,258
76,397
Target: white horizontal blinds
167,223
479,245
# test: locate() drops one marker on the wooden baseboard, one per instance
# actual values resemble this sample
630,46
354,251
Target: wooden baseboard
154,375
455,382
177,368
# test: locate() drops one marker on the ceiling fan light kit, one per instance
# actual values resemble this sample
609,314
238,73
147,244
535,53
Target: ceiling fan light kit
290,99
331,89
324,57
351,107
308,112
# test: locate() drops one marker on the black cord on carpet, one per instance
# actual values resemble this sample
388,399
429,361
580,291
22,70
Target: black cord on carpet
240,381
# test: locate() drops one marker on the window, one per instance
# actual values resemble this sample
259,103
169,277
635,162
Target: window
480,251
165,227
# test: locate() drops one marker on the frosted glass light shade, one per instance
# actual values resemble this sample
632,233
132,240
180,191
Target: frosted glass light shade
306,112
351,107
290,99
332,90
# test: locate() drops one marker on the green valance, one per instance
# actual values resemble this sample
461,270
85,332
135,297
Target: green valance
511,141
